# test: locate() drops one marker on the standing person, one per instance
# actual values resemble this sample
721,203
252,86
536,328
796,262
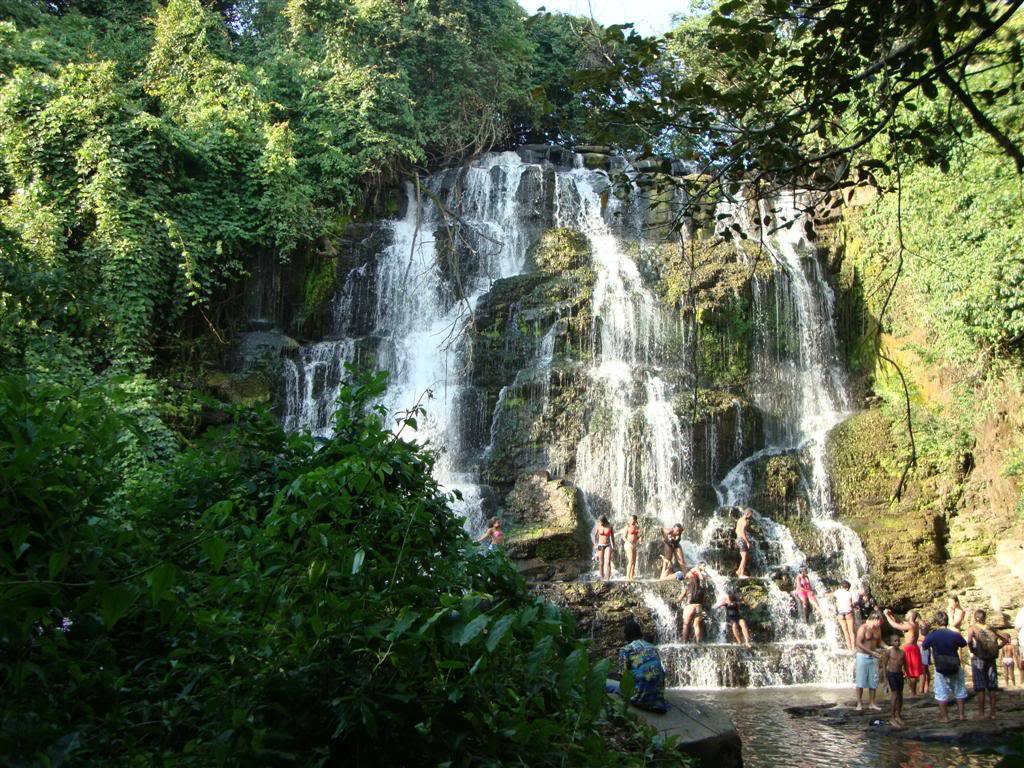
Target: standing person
985,644
911,652
494,533
865,603
956,614
644,661
604,540
926,675
893,658
945,644
743,541
844,610
804,593
865,671
1011,658
631,537
693,597
672,550
734,618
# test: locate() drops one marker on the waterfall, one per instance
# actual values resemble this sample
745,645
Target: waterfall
410,309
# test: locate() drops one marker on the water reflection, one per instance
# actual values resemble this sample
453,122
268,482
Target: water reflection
774,739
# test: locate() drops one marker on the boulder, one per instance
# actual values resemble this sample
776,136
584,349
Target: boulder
547,530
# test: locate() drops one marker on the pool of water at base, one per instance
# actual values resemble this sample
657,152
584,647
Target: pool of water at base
774,739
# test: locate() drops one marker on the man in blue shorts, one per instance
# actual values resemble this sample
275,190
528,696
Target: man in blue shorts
865,673
944,645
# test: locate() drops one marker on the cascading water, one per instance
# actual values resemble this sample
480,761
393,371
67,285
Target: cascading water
467,228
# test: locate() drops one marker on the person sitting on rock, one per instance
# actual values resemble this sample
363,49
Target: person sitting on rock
643,660
985,644
693,597
743,541
734,617
672,551
804,593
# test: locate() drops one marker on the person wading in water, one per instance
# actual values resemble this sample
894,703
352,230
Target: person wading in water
693,603
911,652
743,541
869,638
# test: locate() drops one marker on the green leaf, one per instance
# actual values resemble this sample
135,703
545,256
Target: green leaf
159,580
627,685
474,628
357,561
115,603
498,631
214,549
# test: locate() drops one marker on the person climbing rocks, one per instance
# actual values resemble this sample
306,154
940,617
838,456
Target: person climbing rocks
844,612
631,541
945,644
804,593
894,659
743,541
985,644
494,533
865,604
911,628
672,551
734,617
865,671
693,598
604,542
643,660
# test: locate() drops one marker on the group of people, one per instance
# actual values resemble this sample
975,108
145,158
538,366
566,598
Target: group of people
916,648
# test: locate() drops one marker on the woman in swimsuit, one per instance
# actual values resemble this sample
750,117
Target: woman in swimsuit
631,535
494,533
604,540
731,603
672,551
804,593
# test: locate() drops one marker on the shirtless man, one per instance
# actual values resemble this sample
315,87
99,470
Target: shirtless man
693,602
672,551
911,629
743,541
956,614
869,638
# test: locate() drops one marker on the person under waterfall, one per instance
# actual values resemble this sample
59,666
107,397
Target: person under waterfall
911,628
494,533
604,541
743,541
672,551
804,593
631,539
734,618
844,612
693,603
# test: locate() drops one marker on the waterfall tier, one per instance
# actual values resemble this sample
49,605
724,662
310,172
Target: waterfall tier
535,312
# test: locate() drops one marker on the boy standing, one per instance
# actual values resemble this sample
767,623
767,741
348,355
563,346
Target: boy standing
893,658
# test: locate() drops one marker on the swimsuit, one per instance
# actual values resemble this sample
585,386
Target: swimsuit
895,680
732,612
632,534
742,545
912,658
669,547
804,589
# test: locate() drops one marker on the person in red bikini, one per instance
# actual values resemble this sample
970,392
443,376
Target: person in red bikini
804,593
911,629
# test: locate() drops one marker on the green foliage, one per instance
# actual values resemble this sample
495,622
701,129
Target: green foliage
257,600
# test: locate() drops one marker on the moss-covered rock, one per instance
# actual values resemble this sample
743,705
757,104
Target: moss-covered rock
559,250
904,540
246,389
547,529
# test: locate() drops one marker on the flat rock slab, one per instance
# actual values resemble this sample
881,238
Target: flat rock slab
922,720
701,730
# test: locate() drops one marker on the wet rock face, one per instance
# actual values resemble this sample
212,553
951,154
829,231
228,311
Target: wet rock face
727,429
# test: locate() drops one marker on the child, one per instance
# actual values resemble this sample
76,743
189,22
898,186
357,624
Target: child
1010,657
733,617
893,660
